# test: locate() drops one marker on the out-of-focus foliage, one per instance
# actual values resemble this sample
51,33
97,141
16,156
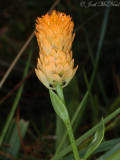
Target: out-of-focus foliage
17,22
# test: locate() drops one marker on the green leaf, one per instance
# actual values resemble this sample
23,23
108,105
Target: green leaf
96,141
107,145
104,146
113,154
59,107
16,101
12,137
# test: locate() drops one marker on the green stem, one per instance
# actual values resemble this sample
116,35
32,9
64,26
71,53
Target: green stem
60,94
72,140
14,106
80,108
60,127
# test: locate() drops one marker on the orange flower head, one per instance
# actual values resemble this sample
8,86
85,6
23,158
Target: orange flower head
55,37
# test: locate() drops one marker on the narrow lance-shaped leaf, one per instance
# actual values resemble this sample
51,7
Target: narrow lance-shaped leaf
12,138
96,141
59,107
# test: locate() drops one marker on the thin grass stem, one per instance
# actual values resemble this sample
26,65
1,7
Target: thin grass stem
16,101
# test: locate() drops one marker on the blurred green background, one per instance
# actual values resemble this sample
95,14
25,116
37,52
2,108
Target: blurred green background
17,19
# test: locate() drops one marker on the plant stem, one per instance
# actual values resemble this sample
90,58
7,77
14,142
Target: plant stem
60,127
60,94
72,140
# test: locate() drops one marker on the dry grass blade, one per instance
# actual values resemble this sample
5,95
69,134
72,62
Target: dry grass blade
16,59
16,87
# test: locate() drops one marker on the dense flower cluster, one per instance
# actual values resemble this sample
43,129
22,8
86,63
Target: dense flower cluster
54,35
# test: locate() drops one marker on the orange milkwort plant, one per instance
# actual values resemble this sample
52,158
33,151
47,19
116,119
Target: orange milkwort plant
55,67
